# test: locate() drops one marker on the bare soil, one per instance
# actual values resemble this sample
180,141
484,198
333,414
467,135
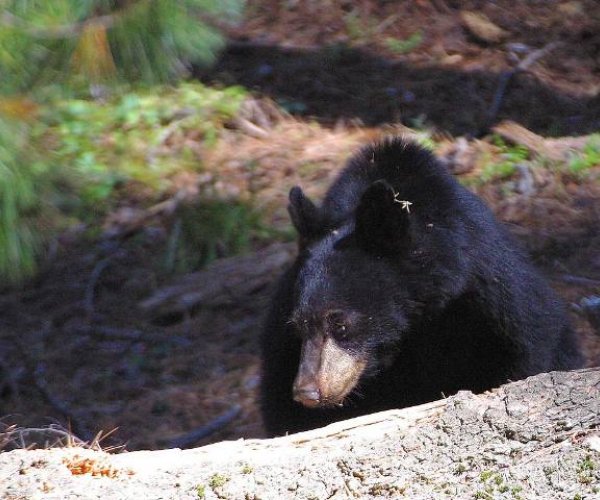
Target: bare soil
78,350
335,60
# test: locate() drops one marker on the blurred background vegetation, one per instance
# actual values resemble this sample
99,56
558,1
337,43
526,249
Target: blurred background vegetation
99,103
89,91
141,140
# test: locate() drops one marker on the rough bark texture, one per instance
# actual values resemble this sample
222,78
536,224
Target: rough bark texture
537,438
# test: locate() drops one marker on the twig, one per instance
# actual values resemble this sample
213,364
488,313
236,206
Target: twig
91,286
101,436
249,128
37,371
6,436
386,23
535,55
187,440
24,437
173,244
68,413
506,76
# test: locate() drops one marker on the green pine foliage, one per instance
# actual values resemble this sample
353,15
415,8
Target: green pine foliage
51,50
29,188
97,40
18,239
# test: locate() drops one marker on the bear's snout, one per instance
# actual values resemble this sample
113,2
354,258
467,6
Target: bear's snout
327,373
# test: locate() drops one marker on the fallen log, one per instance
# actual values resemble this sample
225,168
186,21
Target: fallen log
225,282
536,438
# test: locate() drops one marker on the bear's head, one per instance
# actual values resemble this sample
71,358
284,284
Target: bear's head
357,290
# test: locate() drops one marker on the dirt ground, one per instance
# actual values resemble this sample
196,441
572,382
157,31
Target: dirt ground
76,348
337,60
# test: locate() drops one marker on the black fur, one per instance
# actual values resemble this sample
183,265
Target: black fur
441,296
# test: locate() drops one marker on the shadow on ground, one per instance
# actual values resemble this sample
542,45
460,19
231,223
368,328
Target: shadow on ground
338,82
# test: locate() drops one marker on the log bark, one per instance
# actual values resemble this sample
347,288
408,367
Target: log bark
536,438
228,281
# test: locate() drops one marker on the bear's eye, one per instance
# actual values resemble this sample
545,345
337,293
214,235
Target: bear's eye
337,325
339,331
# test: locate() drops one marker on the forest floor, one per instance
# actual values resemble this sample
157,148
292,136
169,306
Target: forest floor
79,350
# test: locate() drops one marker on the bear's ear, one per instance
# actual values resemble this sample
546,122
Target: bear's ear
382,220
304,214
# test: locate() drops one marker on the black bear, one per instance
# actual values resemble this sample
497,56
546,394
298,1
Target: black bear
405,289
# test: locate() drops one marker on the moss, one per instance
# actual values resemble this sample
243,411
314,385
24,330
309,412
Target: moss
585,470
485,475
217,480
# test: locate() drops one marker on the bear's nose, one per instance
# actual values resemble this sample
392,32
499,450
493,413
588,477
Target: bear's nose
308,395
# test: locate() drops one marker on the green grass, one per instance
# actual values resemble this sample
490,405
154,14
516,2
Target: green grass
585,470
582,162
506,166
138,137
208,230
495,484
403,46
362,30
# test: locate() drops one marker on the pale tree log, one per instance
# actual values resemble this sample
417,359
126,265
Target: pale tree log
537,438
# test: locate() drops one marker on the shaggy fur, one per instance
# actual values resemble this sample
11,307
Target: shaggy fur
437,295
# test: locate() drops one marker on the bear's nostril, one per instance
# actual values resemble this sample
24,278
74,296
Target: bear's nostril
309,396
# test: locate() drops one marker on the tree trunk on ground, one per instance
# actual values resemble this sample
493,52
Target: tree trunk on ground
537,438
232,280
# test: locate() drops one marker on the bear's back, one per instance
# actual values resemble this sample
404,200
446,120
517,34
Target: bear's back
417,177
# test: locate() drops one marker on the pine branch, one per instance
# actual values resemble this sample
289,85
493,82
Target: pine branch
74,30
61,31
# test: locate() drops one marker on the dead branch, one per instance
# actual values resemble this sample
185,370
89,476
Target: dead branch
72,417
38,437
195,435
90,289
37,371
507,76
249,128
